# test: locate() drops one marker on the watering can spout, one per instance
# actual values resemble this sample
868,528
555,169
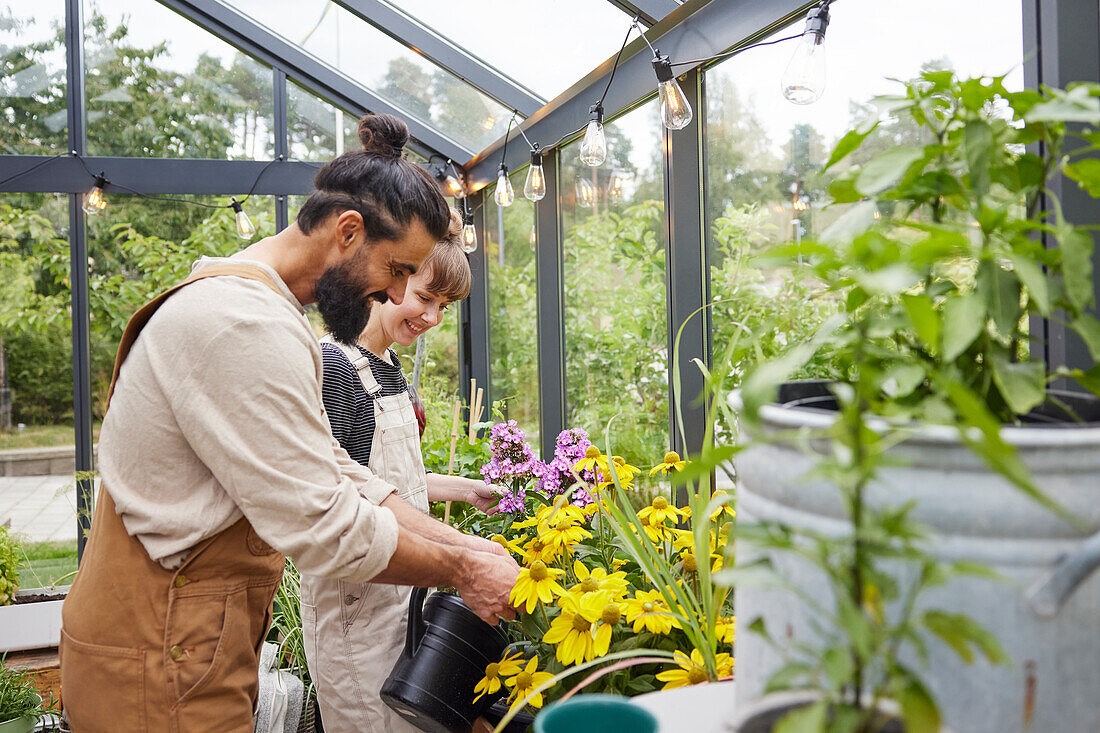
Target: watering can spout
1047,596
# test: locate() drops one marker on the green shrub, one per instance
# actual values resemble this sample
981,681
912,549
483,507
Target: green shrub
10,556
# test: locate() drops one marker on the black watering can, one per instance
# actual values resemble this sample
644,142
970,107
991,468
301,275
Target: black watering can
447,648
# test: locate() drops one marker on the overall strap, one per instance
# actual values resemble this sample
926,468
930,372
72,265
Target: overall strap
361,362
139,319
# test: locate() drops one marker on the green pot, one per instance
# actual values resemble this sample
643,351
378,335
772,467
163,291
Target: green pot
24,724
595,714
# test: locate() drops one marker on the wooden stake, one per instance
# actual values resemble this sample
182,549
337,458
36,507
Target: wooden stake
451,460
475,414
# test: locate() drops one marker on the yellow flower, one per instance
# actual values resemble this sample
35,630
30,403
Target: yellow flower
493,672
723,509
536,583
659,511
597,579
692,670
535,550
725,627
573,631
655,532
671,464
526,680
514,546
560,537
685,542
623,470
592,461
648,610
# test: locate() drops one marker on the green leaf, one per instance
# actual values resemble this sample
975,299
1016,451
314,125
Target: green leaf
885,170
1087,173
790,675
1034,280
978,143
887,280
902,380
851,140
1000,290
1072,106
809,719
1088,328
855,221
963,320
960,632
1022,385
918,709
1076,246
855,624
838,666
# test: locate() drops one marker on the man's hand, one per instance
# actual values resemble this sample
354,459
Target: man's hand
486,582
481,544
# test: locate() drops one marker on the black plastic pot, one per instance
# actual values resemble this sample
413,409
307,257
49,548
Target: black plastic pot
447,648
763,716
521,723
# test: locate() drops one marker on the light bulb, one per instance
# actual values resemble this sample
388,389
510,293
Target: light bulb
804,79
594,144
534,238
615,186
452,186
586,192
245,228
534,188
505,194
675,110
95,201
469,235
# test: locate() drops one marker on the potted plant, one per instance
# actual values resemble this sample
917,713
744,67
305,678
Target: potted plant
943,419
20,704
29,619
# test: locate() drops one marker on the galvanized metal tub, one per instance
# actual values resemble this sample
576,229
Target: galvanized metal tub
1049,626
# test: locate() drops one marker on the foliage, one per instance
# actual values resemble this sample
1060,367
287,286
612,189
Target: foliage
286,625
935,301
10,559
48,564
19,697
610,571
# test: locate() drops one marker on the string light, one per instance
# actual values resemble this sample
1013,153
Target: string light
804,78
586,192
95,201
505,194
534,188
675,110
469,234
245,228
616,186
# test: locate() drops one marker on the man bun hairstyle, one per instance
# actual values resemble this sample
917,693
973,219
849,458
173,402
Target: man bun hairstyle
447,267
387,190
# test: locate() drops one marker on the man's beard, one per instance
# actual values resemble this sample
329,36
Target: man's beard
341,304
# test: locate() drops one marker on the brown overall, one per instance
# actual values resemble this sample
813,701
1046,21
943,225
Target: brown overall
144,648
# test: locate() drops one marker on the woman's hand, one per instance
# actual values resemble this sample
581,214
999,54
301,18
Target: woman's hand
484,497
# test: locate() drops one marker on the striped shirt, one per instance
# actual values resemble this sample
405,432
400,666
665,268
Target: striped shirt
350,411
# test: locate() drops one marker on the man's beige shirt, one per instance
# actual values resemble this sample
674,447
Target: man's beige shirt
217,413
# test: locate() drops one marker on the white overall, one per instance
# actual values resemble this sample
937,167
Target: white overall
355,632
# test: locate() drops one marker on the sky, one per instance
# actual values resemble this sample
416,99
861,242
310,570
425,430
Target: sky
867,41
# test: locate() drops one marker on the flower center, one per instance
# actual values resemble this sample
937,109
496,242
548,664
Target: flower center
492,671
611,613
697,675
590,584
538,571
523,680
660,503
563,524
536,545
647,606
619,461
672,457
580,623
690,565
592,452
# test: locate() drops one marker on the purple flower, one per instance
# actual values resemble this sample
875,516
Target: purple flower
556,477
513,463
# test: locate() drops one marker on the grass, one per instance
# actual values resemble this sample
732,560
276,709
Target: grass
47,563
41,436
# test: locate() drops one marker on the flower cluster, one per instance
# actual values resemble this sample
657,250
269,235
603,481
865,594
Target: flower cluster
556,475
513,464
582,594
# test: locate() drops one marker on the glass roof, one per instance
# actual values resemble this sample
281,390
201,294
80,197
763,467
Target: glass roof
400,76
544,49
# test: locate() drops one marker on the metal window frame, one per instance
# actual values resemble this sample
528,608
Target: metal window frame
445,53
320,78
550,306
473,337
697,29
649,12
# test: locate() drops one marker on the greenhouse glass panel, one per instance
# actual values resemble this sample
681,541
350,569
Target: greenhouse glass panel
513,345
379,63
765,155
616,354
33,112
312,124
36,348
546,52
158,86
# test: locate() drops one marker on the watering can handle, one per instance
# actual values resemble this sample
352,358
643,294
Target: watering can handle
1051,591
415,630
